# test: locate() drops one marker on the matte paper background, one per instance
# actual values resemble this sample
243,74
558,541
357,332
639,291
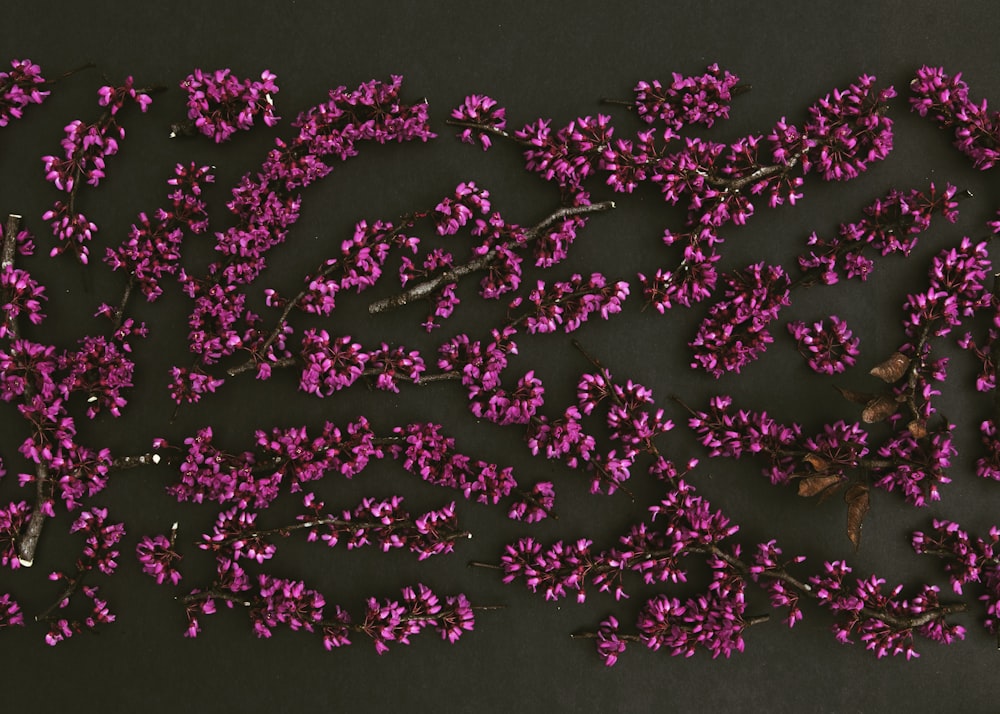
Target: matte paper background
539,60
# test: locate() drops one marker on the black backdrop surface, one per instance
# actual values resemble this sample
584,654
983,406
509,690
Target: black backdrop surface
539,60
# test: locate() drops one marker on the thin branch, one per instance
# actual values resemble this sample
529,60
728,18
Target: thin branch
500,133
71,588
27,543
330,521
426,289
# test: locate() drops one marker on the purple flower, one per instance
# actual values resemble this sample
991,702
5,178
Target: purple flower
568,304
535,505
891,224
967,560
153,248
945,98
331,364
685,101
872,615
849,130
100,548
745,432
609,644
21,295
829,349
735,331
156,555
485,113
690,282
989,466
10,612
19,88
768,572
13,519
285,602
190,385
220,104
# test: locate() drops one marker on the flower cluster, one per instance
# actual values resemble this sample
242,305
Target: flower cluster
714,621
10,612
988,466
335,363
689,526
687,100
568,304
19,88
917,467
432,456
266,205
480,366
967,560
693,280
220,103
156,556
395,621
770,574
914,465
945,98
829,349
956,290
279,601
21,295
13,519
99,555
86,148
890,224
845,132
882,621
631,421
153,247
385,523
735,332
534,505
381,522
485,114
291,456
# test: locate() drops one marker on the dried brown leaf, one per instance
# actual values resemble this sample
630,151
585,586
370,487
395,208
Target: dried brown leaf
856,397
815,485
917,428
892,369
879,409
858,504
816,461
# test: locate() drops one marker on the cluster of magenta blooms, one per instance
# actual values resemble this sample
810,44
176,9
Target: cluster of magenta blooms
609,432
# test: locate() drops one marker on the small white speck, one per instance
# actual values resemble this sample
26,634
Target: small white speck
156,459
92,399
267,98
26,563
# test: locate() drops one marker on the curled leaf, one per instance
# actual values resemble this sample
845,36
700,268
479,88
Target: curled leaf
858,504
856,397
879,409
815,485
892,369
816,461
